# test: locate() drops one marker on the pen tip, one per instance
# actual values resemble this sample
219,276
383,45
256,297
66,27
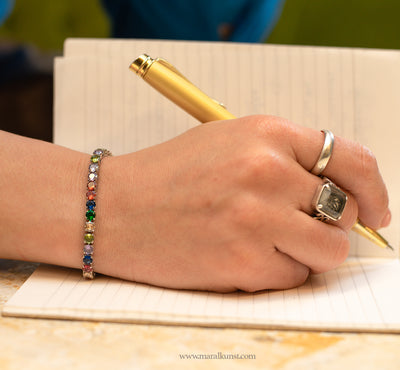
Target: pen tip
389,246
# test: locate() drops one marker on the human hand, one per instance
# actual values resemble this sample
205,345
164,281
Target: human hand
227,206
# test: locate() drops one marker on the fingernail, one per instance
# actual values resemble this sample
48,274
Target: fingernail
386,220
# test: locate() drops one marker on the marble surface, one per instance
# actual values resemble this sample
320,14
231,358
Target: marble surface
56,344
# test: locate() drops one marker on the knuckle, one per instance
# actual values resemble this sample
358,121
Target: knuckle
266,164
371,175
255,167
262,124
277,165
288,278
296,277
368,162
253,272
242,266
269,126
248,287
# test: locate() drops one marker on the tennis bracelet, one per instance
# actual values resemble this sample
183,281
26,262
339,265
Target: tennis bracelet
88,249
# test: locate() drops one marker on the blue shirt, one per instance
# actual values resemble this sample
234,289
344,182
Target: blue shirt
213,20
5,9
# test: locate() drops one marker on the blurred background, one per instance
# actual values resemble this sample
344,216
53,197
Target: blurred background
34,32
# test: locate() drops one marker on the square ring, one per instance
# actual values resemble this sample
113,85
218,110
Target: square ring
329,201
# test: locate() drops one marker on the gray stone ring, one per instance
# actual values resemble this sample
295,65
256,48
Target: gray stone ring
329,201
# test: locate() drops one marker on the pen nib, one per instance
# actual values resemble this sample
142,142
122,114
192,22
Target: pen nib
389,246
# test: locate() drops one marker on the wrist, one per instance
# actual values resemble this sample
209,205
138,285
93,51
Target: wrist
42,201
113,230
125,202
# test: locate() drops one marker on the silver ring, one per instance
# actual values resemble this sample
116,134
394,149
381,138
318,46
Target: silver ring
326,153
329,201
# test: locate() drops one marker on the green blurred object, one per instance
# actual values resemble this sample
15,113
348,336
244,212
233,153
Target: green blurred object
351,23
30,38
47,23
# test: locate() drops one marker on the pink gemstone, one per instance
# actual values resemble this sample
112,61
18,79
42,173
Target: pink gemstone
88,249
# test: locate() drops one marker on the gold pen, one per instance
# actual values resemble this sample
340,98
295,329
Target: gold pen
167,80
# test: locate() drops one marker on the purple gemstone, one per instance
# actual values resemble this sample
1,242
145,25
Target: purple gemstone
98,152
88,249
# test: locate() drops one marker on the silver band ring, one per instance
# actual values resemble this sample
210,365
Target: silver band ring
326,153
329,201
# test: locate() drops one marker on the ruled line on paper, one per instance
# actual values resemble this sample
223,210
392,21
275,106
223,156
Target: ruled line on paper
342,298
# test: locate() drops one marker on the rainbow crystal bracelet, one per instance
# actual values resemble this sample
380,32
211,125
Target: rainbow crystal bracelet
94,168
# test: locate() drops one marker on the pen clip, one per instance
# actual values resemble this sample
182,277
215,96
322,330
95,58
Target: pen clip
220,104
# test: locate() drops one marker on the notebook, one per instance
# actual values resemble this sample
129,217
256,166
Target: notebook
353,92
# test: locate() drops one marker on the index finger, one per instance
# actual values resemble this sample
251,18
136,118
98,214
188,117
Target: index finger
352,167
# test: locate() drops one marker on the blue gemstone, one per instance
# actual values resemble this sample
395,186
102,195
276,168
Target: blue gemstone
91,204
87,260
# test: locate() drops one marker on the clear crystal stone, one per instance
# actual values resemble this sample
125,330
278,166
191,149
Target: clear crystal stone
94,167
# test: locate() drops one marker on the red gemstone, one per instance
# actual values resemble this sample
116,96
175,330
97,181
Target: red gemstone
87,268
91,195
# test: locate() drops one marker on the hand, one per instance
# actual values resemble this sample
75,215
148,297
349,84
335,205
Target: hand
227,206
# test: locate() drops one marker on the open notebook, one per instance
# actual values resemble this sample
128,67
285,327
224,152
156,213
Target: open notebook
353,92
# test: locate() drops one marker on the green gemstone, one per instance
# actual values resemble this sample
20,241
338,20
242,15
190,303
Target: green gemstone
89,238
90,215
95,158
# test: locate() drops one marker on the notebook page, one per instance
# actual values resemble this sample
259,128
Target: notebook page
355,297
314,86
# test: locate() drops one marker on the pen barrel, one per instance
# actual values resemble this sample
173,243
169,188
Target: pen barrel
370,234
184,94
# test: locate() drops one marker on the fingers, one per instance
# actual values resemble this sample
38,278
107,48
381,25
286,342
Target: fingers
307,185
362,178
296,188
304,245
318,245
352,167
273,270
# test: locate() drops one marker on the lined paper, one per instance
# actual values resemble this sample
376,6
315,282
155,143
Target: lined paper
356,296
353,92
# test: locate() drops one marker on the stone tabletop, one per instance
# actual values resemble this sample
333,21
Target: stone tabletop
57,344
